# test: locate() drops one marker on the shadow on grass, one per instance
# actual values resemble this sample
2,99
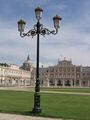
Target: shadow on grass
26,113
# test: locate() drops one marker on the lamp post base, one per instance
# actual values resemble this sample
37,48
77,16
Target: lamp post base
36,108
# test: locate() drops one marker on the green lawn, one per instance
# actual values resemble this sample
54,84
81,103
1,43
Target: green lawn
82,90
76,107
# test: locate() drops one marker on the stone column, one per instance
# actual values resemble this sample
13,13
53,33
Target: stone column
55,82
18,82
47,82
71,83
80,85
3,82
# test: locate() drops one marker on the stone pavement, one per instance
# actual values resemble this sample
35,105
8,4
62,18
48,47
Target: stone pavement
22,117
31,89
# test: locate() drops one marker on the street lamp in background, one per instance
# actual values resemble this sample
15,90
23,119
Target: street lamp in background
37,30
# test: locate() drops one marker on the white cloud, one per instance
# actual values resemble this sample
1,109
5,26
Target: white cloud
72,41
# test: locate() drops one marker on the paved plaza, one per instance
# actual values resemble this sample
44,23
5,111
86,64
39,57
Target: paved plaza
22,117
31,89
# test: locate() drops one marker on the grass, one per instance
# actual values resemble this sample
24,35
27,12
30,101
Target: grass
15,102
65,106
81,90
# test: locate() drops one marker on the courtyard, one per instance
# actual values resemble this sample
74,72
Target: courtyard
56,103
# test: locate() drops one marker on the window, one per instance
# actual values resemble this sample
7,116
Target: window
60,69
56,70
51,69
83,74
72,69
68,69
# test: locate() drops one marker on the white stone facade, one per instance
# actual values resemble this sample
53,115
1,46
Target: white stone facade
65,74
12,75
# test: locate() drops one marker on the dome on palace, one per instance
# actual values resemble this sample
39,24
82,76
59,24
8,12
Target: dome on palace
27,65
28,61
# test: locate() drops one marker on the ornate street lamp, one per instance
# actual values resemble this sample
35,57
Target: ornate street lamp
38,29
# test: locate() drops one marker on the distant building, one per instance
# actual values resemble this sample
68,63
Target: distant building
63,74
27,65
86,76
43,74
13,75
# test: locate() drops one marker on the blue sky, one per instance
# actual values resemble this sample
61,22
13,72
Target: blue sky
72,40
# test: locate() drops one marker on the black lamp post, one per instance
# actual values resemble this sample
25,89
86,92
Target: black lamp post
38,30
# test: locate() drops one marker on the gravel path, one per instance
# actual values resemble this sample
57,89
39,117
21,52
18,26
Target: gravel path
71,93
22,117
22,88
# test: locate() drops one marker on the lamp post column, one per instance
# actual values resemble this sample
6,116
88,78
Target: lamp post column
37,108
38,30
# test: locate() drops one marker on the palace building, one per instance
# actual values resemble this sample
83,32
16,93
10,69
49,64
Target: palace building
13,75
63,74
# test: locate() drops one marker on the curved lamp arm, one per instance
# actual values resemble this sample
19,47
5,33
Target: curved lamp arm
42,31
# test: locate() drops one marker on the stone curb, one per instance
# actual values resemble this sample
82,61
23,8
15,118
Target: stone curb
22,117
